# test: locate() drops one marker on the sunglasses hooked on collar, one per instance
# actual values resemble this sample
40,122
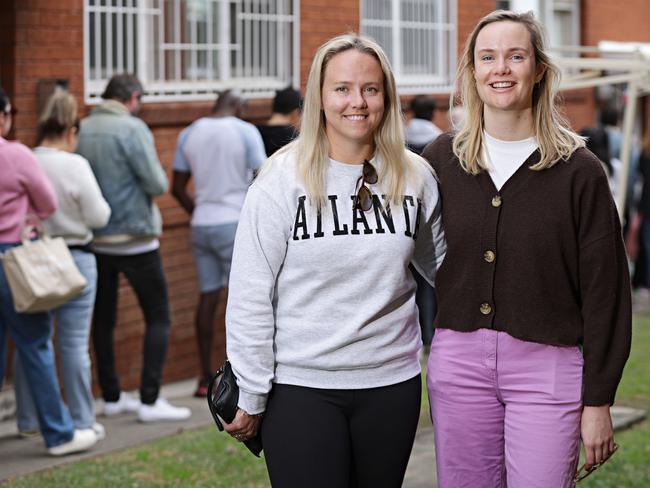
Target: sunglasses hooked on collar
363,199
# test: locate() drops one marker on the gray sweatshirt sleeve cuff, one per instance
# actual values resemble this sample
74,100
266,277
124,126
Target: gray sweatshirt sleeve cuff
251,403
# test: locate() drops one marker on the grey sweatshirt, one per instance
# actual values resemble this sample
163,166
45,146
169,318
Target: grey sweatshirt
328,301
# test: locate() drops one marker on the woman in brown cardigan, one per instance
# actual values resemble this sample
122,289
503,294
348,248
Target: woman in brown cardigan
534,320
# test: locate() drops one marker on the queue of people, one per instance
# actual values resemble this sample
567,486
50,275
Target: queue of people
100,201
24,189
92,182
509,216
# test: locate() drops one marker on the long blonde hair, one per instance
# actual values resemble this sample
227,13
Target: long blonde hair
312,147
556,142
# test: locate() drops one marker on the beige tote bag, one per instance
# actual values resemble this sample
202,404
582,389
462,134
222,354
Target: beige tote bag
41,273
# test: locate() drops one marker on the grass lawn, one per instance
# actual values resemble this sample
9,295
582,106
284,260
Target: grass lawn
207,458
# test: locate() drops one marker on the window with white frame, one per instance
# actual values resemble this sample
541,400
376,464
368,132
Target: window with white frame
419,37
561,18
190,49
565,23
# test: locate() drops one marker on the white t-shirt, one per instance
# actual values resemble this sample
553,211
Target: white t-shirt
505,157
221,153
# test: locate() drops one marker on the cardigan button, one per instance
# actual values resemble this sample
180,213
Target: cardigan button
485,308
496,201
489,256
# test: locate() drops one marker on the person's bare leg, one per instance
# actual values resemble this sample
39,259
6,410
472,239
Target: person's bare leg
204,326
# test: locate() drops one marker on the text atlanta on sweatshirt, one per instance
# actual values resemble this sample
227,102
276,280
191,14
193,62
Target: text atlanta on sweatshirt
328,301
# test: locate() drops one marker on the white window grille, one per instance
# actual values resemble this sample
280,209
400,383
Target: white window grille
190,49
419,37
564,23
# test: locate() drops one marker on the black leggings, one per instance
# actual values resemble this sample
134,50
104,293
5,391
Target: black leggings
340,438
147,278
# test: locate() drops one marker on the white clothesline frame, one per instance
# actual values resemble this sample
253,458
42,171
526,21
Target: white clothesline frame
607,64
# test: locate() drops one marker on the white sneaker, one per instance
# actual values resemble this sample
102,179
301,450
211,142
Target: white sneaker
126,403
99,430
162,410
82,440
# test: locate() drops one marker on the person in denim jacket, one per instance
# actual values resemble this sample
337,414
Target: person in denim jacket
121,151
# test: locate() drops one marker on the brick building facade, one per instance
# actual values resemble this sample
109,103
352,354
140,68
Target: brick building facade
42,41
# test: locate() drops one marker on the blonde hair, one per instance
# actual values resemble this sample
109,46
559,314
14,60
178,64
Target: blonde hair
556,142
312,147
58,116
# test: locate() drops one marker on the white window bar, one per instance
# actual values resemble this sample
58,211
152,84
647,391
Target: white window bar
191,49
419,37
142,56
130,39
209,34
564,20
247,24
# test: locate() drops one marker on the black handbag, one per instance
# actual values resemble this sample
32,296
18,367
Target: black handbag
223,395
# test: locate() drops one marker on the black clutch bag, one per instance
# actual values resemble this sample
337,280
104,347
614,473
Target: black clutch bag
223,395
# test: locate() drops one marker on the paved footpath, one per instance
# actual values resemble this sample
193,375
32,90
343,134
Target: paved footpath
19,457
421,471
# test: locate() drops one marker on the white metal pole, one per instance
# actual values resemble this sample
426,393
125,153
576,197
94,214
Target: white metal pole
628,126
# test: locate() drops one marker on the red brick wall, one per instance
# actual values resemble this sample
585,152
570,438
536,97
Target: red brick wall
469,13
615,21
319,21
7,45
48,44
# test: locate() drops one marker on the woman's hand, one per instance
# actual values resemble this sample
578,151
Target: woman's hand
597,434
244,426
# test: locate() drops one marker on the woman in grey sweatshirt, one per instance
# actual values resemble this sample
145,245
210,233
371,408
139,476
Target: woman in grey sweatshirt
322,326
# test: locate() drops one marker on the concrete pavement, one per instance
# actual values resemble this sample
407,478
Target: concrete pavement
421,471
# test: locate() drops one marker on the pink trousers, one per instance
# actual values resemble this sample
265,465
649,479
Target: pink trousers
505,412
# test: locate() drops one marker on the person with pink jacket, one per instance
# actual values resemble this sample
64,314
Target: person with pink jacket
25,189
